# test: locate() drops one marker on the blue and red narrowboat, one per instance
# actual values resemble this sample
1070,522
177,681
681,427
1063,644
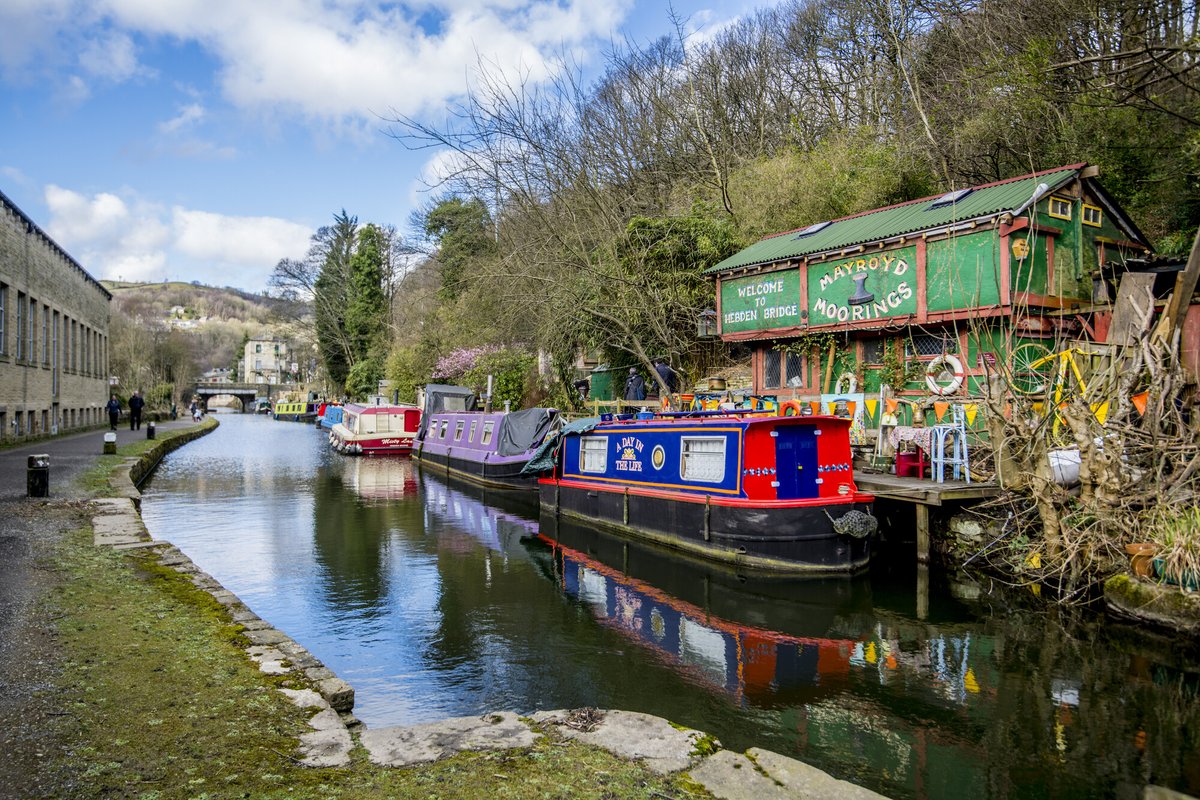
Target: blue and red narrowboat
329,414
488,447
767,493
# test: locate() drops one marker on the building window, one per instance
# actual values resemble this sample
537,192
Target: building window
873,351
593,453
474,424
32,330
1092,215
458,429
703,459
782,369
20,325
258,348
1060,208
46,335
487,431
3,321
931,345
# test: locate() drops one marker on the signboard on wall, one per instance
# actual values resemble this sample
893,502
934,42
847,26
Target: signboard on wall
760,302
863,288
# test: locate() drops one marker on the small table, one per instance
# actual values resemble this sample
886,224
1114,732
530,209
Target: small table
920,436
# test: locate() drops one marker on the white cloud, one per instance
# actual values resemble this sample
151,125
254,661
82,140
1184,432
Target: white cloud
115,236
189,115
110,57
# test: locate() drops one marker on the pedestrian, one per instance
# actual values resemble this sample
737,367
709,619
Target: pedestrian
195,412
136,403
669,377
114,411
635,387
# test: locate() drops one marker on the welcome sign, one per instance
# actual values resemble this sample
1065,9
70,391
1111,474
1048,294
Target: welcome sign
759,302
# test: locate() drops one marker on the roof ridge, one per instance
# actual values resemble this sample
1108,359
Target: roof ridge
1076,167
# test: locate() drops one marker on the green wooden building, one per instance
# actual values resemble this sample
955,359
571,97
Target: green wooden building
959,279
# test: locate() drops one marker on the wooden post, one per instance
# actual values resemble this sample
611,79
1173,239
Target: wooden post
922,591
922,533
829,367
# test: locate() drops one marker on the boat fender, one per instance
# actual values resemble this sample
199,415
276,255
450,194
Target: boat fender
851,382
855,523
790,408
941,365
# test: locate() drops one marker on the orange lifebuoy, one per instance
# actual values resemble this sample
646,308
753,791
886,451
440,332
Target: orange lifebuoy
790,408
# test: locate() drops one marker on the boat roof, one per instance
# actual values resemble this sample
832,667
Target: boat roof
388,408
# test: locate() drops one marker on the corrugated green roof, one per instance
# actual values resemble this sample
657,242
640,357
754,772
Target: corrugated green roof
905,218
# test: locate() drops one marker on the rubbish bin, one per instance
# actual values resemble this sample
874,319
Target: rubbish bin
150,430
110,444
37,477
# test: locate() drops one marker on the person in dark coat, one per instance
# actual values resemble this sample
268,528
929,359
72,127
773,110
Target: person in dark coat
670,378
114,411
635,387
136,403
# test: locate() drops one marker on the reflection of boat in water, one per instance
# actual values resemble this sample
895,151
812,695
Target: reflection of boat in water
712,624
497,518
381,478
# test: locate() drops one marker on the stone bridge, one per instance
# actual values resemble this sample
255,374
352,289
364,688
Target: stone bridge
246,392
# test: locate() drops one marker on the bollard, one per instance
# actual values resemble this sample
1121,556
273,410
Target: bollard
150,430
110,444
37,477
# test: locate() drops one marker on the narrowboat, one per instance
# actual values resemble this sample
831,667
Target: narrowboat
766,493
487,447
375,430
329,414
297,411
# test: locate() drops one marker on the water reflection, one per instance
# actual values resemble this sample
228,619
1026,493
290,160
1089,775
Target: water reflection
436,599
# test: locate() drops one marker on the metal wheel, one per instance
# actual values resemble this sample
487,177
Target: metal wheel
1029,369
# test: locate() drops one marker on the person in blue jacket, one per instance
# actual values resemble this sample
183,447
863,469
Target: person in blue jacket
114,411
635,387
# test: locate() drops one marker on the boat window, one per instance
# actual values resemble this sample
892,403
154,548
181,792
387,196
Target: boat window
593,454
445,427
458,429
474,425
487,431
383,423
703,459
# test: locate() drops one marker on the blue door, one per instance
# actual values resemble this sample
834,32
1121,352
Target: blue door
796,461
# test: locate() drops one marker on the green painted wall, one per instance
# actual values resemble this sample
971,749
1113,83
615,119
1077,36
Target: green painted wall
760,302
963,272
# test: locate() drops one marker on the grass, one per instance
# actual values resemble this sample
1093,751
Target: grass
158,700
95,480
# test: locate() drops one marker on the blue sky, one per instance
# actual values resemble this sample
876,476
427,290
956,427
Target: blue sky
206,139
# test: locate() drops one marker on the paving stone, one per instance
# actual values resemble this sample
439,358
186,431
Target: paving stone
112,505
136,545
419,744
652,740
243,615
337,692
255,624
326,748
318,674
305,698
326,720
763,775
266,636
269,660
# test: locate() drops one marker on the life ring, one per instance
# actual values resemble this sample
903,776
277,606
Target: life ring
790,408
941,365
851,381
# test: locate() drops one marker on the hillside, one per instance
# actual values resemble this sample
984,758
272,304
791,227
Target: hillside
184,305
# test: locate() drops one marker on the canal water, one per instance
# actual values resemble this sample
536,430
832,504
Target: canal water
434,598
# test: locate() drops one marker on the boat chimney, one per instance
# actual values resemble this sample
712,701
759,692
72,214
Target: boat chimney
506,404
487,404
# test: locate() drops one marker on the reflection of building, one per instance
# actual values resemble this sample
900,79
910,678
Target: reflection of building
53,333
265,361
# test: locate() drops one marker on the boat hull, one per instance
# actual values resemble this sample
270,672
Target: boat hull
500,472
782,537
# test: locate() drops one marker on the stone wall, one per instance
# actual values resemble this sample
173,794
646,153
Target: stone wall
68,345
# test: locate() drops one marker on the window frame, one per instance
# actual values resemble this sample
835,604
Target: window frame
593,446
459,426
683,457
471,435
489,427
1083,215
1059,214
443,428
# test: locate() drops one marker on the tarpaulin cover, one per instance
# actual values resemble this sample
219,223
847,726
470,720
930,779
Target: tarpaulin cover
522,430
443,397
546,455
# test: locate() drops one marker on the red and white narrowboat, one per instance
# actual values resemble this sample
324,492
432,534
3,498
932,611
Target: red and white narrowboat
375,430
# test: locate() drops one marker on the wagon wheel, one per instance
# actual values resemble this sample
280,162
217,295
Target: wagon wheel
1030,369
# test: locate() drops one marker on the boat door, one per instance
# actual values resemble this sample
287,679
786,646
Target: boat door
796,461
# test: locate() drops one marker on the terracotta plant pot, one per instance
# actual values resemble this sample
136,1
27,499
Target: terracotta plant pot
1141,556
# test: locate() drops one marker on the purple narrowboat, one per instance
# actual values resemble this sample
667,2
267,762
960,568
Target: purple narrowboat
487,447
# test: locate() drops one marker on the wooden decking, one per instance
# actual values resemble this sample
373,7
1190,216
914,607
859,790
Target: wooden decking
921,490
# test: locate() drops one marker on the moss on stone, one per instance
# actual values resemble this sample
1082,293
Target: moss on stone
1158,604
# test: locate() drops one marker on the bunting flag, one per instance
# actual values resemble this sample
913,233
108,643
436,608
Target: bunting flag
815,405
851,404
1100,410
1139,402
891,404
940,409
871,406
971,410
